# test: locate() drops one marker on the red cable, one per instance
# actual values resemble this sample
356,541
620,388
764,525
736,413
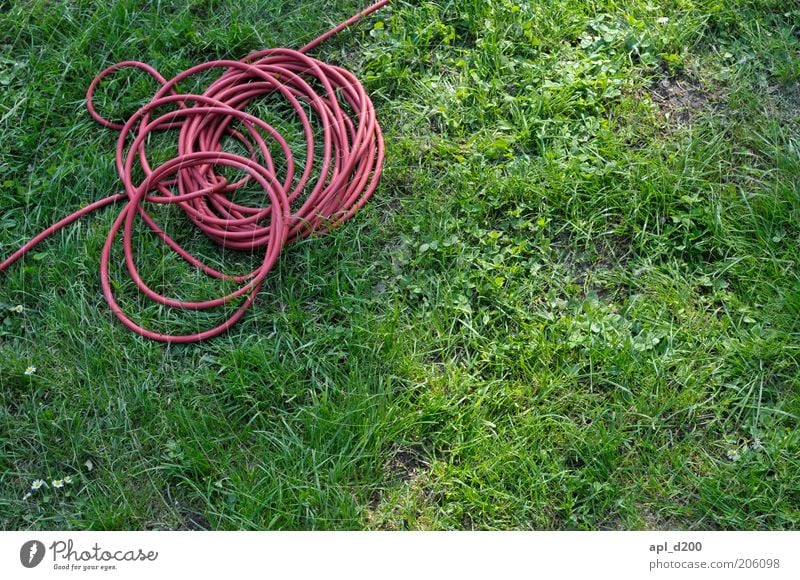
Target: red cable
348,175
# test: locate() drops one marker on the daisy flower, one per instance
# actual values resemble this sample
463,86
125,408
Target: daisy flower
30,370
67,479
37,483
58,483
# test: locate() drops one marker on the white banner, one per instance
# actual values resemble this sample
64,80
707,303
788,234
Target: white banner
401,555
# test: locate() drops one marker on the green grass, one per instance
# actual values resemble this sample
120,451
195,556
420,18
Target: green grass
573,302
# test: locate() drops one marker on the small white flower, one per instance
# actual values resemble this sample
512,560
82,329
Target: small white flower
26,496
58,483
19,309
663,20
30,370
67,479
756,445
733,455
37,483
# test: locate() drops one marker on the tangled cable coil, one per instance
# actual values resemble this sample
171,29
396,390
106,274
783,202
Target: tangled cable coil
350,167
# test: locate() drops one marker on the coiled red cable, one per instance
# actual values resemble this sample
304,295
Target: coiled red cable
348,171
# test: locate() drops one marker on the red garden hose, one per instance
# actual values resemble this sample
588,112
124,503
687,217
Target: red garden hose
349,169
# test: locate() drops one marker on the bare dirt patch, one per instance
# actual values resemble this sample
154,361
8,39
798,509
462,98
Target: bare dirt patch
405,464
679,99
403,504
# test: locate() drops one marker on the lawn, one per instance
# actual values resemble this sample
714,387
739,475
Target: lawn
572,303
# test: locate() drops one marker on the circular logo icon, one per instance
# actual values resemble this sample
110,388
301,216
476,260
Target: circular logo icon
31,553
